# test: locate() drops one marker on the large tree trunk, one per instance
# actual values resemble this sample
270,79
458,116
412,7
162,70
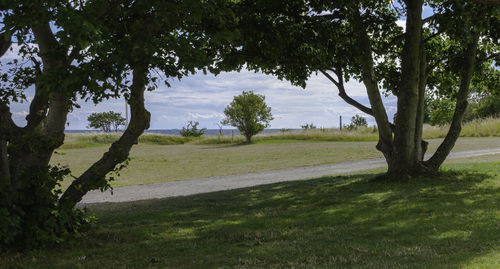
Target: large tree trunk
4,162
370,81
420,144
403,160
94,177
35,146
448,143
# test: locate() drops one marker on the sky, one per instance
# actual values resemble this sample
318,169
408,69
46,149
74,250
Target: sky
203,98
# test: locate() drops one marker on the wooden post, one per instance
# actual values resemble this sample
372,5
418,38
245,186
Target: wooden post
341,122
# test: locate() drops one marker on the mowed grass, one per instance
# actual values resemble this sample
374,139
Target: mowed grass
356,221
162,163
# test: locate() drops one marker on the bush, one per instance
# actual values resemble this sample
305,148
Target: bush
308,126
191,130
249,113
357,121
30,215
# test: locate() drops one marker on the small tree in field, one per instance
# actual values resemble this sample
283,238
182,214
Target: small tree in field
106,121
357,121
191,130
249,113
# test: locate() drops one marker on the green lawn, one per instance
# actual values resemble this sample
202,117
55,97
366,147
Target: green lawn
161,163
355,221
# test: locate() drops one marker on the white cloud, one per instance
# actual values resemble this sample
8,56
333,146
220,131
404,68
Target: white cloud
203,98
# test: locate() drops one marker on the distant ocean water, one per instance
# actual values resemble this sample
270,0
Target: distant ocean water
208,132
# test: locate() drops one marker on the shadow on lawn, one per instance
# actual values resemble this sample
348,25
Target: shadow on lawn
329,222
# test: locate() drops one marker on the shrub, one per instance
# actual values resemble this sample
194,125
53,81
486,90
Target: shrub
30,216
357,121
249,113
308,126
191,130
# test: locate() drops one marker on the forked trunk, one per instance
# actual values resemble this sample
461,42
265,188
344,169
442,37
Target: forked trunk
403,162
94,177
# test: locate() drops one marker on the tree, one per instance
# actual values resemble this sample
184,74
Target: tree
90,50
308,126
357,121
106,121
191,130
249,113
362,40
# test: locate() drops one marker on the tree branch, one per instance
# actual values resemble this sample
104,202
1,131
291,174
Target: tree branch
94,177
430,18
461,106
5,43
7,125
432,36
370,81
344,96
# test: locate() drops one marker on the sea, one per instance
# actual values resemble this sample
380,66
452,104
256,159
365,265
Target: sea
176,132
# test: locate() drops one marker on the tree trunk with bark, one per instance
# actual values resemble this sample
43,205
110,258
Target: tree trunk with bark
94,177
403,161
444,149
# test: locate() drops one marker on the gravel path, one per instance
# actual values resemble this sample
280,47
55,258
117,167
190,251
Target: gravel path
220,183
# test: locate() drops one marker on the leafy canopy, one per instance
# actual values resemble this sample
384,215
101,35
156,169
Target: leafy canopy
106,121
249,113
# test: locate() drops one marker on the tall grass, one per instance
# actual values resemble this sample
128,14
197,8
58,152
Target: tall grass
322,134
75,141
476,128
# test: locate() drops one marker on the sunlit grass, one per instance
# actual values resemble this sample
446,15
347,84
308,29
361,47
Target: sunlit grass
162,163
357,221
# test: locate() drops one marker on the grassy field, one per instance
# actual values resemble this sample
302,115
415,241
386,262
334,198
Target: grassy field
161,163
489,127
355,221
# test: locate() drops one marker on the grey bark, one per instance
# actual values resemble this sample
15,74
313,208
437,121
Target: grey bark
342,92
58,103
119,151
420,144
405,119
370,81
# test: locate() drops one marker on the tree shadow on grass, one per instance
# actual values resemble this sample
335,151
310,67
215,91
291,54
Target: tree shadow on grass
331,222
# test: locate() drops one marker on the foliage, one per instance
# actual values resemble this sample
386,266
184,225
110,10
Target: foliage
106,121
486,106
308,126
35,219
191,130
92,51
363,41
249,113
357,121
439,111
